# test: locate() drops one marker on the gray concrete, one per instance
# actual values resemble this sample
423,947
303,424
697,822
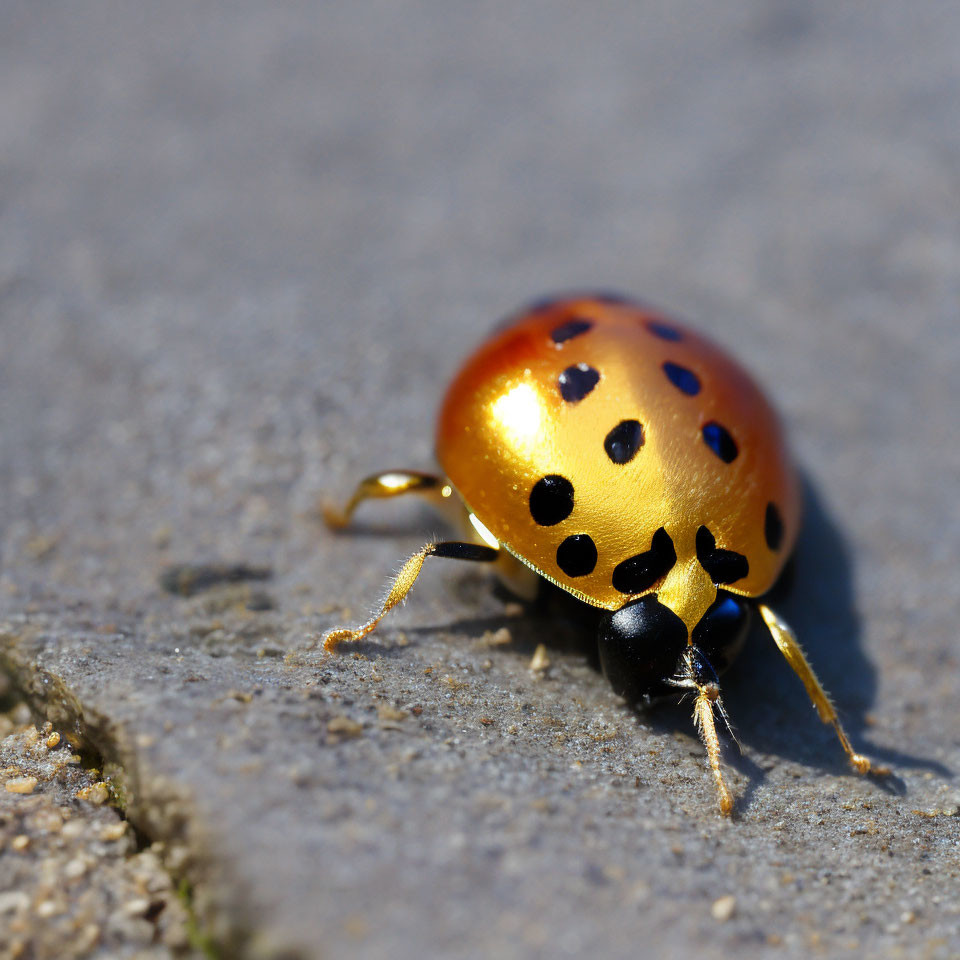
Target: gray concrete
242,246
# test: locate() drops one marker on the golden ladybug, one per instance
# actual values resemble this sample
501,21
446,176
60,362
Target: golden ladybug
631,462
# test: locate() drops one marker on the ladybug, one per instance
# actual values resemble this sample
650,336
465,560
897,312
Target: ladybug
625,458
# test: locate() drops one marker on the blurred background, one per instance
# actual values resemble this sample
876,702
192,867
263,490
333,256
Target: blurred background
242,248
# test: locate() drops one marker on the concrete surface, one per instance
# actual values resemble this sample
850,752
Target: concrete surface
241,248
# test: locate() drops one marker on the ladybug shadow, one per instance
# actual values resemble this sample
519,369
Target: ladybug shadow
555,619
766,702
765,699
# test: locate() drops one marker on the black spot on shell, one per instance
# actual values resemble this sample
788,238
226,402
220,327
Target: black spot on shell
641,572
683,379
718,439
773,527
664,331
724,566
569,330
623,441
577,381
551,500
577,555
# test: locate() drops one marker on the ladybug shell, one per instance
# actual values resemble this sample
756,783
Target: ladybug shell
618,453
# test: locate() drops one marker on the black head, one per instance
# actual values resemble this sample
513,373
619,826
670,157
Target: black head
641,644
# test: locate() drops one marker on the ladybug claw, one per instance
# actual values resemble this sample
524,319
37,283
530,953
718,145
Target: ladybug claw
861,763
333,638
333,516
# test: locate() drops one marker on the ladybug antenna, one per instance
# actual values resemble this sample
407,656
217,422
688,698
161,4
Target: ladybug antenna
698,674
703,718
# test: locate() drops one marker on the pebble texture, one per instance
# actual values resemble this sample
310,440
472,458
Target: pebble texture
242,246
72,882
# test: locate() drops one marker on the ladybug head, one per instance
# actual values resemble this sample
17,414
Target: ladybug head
642,645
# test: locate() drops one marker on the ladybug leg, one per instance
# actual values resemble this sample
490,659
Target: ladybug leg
404,581
790,648
378,486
